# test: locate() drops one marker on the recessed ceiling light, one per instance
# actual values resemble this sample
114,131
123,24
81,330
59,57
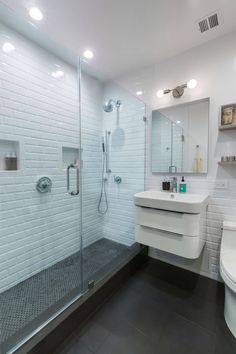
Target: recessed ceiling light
8,47
88,54
57,74
192,83
178,121
160,93
139,93
35,13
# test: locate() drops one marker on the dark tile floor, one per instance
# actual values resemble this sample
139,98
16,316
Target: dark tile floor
30,303
161,309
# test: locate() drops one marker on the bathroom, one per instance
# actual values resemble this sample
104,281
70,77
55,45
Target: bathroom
104,107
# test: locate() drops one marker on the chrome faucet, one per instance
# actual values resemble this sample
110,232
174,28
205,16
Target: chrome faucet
174,186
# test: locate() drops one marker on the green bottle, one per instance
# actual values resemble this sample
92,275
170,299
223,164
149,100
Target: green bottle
182,186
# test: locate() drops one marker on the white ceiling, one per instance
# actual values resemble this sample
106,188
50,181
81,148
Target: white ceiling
127,34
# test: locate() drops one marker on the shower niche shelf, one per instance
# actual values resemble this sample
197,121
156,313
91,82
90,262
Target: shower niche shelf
9,155
69,155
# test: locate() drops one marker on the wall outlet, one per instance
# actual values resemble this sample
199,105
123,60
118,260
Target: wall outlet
221,184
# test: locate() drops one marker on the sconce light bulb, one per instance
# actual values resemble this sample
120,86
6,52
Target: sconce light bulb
160,93
192,84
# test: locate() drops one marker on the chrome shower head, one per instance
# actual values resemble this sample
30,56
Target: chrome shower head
111,104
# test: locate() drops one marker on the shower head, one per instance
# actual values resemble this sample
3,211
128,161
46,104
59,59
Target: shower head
111,104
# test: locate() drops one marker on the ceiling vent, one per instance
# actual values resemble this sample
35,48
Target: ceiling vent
209,22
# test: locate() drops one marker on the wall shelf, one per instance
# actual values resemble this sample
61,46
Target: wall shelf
227,163
227,127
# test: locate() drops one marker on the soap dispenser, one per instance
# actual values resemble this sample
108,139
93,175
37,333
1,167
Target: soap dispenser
182,186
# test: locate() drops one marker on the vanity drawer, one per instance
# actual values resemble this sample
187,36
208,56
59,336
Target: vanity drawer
178,223
180,245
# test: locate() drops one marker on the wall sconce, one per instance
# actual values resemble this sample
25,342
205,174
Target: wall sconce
178,91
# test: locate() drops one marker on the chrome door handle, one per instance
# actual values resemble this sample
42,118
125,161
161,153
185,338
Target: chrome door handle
73,193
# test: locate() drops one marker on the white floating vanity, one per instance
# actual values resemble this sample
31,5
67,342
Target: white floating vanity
171,222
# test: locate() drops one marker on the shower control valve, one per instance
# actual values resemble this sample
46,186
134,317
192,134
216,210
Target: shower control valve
44,185
117,179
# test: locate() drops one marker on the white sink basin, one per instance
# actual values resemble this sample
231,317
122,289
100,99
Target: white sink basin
182,203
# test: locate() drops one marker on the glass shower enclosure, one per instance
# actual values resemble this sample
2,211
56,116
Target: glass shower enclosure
72,154
40,204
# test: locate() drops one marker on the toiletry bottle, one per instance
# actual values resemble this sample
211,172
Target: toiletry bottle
166,185
11,161
8,161
182,186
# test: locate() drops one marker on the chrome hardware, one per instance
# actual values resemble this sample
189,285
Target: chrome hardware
91,284
117,179
73,193
44,185
107,142
171,169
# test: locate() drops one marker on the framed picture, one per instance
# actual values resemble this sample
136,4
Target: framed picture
228,115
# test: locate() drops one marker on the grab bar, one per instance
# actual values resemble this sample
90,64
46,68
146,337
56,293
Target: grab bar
73,193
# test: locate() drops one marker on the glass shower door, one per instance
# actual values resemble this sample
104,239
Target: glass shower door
113,142
40,204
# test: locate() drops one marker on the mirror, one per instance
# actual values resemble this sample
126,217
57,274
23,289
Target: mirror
180,138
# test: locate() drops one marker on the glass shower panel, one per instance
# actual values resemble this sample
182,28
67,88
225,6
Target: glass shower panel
40,208
113,142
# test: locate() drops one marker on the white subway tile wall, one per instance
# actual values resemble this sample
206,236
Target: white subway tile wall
91,133
41,113
127,160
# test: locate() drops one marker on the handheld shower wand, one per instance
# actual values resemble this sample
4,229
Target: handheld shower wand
103,192
103,145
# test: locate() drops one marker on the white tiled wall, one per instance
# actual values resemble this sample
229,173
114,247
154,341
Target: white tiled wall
127,149
213,65
91,133
41,112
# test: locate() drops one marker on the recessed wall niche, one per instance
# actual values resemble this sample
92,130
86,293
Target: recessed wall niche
69,155
9,155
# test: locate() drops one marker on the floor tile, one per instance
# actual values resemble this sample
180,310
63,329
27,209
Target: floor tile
225,341
183,337
73,345
127,340
154,312
92,336
149,317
